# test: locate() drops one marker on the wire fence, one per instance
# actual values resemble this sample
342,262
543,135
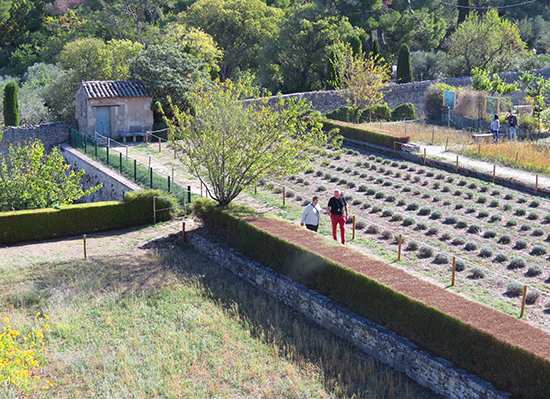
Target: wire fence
107,151
400,237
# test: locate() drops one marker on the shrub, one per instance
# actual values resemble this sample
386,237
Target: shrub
460,265
514,289
373,229
426,195
462,224
451,219
351,184
380,180
390,198
495,218
495,193
11,104
462,182
507,207
486,252
534,270
533,216
371,191
404,111
437,185
334,179
397,217
458,241
483,189
450,179
386,234
490,234
474,229
522,200
327,176
532,297
534,204
299,180
460,205
376,112
511,223
440,176
538,232
441,258
525,227
469,194
380,195
421,226
408,221
472,186
407,189
362,188
321,188
413,206
494,204
437,198
538,250
483,213
470,246
401,202
366,205
547,218
375,209
436,215
387,212
446,189
508,196
426,251
470,209
481,199
505,239
344,114
478,272
501,257
432,231
521,244
357,202
348,198
517,263
457,193
360,225
445,236
290,194
347,170
412,246
343,182
319,173
425,210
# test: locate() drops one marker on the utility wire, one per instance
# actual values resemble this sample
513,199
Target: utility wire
486,8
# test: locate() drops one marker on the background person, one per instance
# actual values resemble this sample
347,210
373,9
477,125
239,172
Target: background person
495,128
338,211
512,124
311,216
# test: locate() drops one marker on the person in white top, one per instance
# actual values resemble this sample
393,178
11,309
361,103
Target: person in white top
495,128
311,215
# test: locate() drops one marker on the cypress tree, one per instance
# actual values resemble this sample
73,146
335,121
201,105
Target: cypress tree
356,45
404,68
11,106
375,48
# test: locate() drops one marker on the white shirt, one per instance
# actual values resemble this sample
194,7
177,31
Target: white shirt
311,214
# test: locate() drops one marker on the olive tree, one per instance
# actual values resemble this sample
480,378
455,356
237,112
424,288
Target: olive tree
229,144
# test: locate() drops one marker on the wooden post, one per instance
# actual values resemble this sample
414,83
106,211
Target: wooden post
149,162
494,172
479,148
446,144
126,153
353,230
255,188
536,184
394,148
457,164
183,233
284,195
454,271
424,155
433,136
399,247
173,175
160,148
523,301
174,152
146,137
201,188
154,210
517,152
84,240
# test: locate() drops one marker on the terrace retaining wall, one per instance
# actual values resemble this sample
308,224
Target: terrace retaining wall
435,373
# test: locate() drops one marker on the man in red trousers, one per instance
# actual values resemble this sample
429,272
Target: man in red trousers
338,211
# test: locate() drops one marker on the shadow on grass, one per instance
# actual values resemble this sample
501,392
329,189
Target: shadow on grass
347,371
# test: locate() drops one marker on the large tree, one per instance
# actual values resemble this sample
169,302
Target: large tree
487,42
32,179
229,144
241,28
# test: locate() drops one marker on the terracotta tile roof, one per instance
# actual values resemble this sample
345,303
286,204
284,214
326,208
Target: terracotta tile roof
114,88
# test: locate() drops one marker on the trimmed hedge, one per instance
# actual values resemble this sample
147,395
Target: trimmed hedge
354,132
70,220
507,367
404,111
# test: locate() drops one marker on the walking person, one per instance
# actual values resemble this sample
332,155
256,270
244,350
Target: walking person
311,216
338,211
495,128
512,124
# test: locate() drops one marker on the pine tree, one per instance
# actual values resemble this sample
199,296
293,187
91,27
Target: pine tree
404,68
11,106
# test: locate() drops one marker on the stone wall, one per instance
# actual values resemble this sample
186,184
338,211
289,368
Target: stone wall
434,373
114,185
51,134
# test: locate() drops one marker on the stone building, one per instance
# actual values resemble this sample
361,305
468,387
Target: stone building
115,109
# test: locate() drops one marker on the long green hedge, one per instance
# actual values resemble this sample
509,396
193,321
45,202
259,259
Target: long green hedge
356,133
507,367
68,220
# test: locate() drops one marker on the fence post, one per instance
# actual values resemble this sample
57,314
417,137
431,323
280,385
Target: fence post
457,164
433,136
107,148
399,247
523,301
126,153
183,233
284,195
536,184
154,210
135,170
189,194
146,137
353,224
160,148
394,148
517,153
84,242
494,172
454,271
169,184
120,161
151,177
446,143
424,155
96,149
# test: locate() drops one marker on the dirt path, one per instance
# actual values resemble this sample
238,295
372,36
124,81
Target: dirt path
506,328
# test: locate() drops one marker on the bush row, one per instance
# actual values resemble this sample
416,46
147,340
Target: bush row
69,220
374,113
507,367
355,132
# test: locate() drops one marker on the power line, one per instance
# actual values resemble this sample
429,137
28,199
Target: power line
486,8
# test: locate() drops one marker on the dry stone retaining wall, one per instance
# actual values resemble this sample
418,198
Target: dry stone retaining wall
434,373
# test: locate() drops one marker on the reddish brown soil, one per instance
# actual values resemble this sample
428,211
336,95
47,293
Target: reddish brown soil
504,327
